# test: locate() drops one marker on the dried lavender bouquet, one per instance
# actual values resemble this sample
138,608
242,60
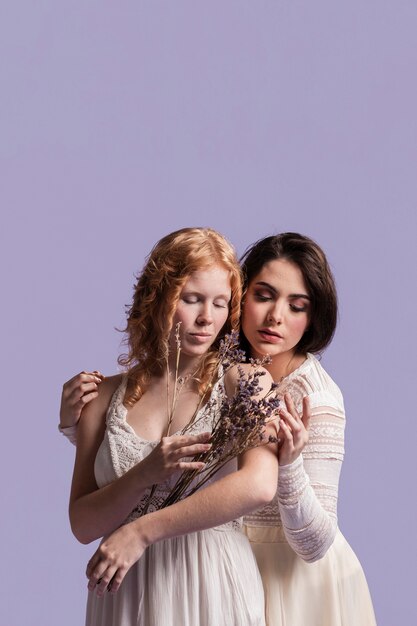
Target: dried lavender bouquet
239,421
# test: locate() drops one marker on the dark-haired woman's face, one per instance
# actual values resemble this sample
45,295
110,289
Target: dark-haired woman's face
276,310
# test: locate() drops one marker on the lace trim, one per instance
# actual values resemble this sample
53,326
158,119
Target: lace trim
126,448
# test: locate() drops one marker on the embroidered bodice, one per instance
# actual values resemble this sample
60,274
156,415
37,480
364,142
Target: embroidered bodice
122,448
305,505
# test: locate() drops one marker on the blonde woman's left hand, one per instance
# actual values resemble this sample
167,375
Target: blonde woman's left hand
293,430
113,558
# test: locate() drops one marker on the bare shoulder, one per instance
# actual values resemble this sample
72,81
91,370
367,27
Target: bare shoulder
232,376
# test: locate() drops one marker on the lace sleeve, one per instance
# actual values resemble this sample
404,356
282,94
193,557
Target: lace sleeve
70,432
308,487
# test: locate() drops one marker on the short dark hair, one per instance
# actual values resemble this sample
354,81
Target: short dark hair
307,255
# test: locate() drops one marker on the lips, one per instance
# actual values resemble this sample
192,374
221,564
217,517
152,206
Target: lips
270,335
200,337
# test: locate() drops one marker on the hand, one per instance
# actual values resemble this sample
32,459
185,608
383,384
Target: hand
294,430
168,456
114,557
76,393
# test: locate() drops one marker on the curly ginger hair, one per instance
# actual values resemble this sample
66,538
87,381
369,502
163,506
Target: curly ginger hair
157,291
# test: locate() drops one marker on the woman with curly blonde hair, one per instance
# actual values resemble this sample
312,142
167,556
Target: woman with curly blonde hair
199,569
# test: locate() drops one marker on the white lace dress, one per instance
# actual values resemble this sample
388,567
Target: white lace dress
310,574
207,578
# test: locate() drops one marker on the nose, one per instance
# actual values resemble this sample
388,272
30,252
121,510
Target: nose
275,313
205,316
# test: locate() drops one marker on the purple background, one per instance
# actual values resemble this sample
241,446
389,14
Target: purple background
122,121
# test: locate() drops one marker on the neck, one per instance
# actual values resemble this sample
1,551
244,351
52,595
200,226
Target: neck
183,367
284,364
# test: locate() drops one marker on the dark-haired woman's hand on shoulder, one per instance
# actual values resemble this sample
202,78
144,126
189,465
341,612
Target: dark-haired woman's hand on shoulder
76,394
293,430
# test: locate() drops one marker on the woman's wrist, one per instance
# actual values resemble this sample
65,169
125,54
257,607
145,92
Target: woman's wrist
143,478
67,422
70,432
286,462
145,530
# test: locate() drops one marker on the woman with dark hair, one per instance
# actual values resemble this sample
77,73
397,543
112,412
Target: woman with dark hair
310,573
191,282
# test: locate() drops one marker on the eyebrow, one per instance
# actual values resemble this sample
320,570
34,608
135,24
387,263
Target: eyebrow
293,296
193,292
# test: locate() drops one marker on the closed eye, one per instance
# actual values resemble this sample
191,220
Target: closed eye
298,309
190,299
221,304
262,297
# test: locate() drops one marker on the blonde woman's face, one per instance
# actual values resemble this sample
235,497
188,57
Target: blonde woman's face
203,309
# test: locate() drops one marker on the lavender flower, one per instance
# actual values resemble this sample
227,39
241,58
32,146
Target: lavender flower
239,423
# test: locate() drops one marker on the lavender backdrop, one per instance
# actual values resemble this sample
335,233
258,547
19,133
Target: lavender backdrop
121,121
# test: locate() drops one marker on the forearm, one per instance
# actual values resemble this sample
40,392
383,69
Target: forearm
100,512
308,487
309,527
230,497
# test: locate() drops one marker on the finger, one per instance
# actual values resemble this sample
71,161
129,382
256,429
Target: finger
291,406
306,412
286,431
191,465
80,390
96,575
89,386
117,580
299,435
294,424
72,381
92,564
188,440
105,580
75,383
86,399
86,376
198,448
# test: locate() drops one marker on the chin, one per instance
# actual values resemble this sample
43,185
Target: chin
269,350
195,353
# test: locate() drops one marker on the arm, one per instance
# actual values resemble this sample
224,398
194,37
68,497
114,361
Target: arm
96,512
92,511
251,486
308,487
